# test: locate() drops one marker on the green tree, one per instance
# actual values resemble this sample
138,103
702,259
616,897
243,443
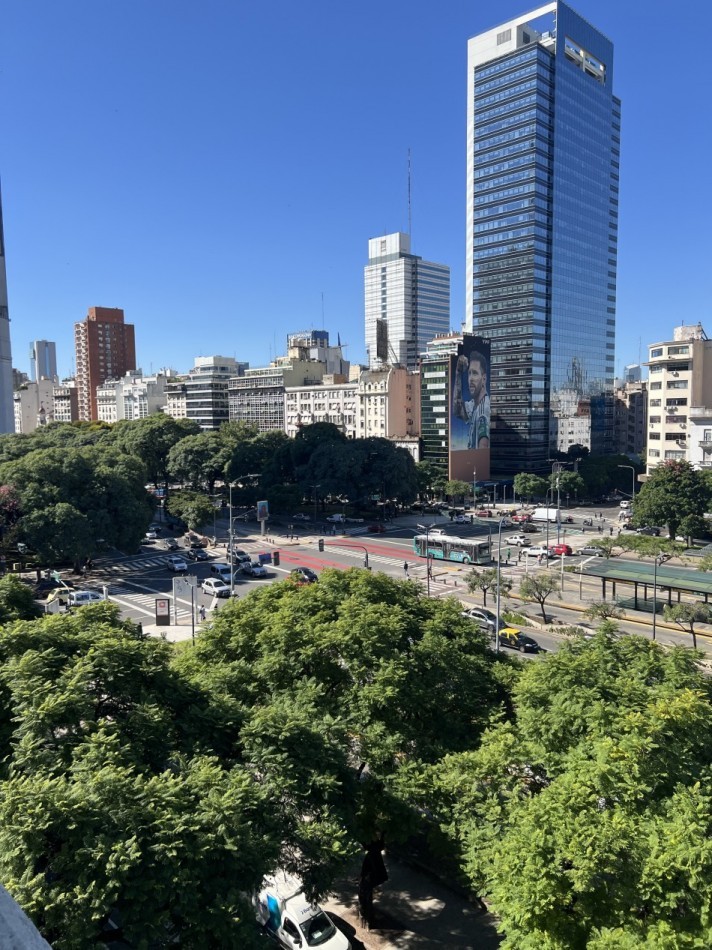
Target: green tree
456,488
688,616
673,493
584,817
539,587
530,486
199,460
604,610
570,483
16,600
151,439
431,479
485,581
196,509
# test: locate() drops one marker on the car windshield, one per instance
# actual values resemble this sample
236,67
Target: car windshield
318,929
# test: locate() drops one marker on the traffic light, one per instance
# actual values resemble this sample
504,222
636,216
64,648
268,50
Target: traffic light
321,544
275,558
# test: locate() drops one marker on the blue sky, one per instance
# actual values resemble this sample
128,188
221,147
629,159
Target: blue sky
217,169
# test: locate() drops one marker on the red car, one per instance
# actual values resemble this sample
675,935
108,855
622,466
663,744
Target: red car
561,549
521,518
483,513
377,528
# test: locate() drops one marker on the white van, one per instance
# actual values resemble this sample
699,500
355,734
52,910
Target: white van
284,912
625,504
78,598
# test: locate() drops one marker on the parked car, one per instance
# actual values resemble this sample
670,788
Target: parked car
215,587
561,549
253,568
303,575
518,641
650,531
520,539
538,550
177,564
198,554
591,550
377,528
484,616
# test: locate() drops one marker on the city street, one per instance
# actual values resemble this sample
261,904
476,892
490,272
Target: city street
134,583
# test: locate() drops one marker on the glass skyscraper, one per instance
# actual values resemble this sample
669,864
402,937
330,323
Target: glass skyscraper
542,232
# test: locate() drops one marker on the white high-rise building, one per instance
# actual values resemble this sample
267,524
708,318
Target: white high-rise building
407,302
133,396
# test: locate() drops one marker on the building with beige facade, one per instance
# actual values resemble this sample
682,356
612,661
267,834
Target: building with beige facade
630,417
388,403
679,381
33,405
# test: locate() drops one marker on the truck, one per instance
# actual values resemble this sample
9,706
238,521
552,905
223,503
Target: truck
290,919
336,519
546,514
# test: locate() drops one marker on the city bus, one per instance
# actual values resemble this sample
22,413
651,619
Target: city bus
445,548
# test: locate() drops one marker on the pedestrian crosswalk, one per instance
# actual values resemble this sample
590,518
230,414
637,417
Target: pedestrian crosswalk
131,565
146,602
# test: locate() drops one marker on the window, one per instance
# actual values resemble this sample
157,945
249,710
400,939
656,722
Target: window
656,402
656,385
678,350
707,435
658,351
291,931
504,37
676,384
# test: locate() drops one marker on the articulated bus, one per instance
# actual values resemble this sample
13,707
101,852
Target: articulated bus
444,548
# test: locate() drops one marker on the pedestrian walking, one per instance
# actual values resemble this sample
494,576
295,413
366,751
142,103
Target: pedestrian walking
610,531
509,554
600,529
519,556
405,568
201,612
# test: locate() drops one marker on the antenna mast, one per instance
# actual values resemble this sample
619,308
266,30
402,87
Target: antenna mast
410,213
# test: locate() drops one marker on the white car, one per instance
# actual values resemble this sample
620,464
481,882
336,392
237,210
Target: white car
538,551
177,564
253,568
437,531
151,534
215,587
461,519
521,539
222,570
300,517
78,598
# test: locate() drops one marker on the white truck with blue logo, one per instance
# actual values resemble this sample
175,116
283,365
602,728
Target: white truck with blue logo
292,920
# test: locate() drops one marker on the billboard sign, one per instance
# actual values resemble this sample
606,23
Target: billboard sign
470,413
262,510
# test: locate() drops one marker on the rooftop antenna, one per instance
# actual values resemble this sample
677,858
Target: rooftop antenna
410,212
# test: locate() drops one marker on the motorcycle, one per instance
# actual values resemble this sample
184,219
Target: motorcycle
588,521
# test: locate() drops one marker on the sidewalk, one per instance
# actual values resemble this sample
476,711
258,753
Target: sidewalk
413,911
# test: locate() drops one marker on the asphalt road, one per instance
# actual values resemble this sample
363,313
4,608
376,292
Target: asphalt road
136,582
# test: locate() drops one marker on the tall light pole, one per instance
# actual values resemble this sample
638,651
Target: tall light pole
231,484
426,529
474,488
499,587
632,497
659,559
315,488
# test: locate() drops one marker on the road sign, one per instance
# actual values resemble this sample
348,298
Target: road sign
163,611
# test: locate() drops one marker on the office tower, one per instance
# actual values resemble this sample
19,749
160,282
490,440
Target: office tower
43,360
105,348
7,408
542,214
202,395
407,302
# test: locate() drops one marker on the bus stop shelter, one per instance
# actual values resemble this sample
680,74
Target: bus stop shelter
641,575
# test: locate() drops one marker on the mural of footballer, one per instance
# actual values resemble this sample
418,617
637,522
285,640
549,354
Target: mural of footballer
471,378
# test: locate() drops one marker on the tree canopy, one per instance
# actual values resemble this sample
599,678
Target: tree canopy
674,494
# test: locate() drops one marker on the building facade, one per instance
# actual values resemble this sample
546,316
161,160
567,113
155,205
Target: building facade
33,405
679,379
66,401
543,141
631,417
407,302
388,404
7,409
333,401
258,397
202,395
43,360
134,396
105,347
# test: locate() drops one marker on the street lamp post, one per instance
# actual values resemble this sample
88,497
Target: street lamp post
632,497
315,489
474,488
499,587
659,559
426,529
231,484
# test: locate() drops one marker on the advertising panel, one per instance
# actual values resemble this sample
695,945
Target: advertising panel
470,413
262,510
